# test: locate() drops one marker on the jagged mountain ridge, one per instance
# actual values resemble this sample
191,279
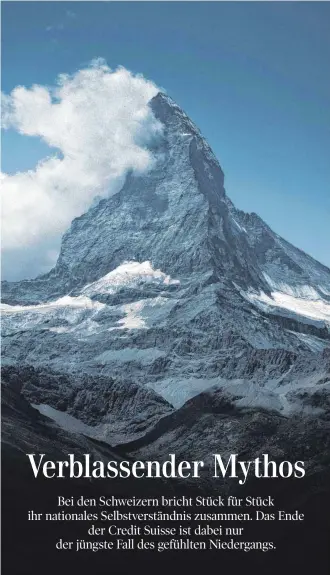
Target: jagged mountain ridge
167,285
185,193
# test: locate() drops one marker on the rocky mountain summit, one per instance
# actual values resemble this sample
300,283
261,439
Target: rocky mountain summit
164,294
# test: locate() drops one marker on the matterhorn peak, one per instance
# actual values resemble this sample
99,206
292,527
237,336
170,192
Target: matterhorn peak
178,217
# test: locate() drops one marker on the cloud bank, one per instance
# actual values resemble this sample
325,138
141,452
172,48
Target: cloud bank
99,123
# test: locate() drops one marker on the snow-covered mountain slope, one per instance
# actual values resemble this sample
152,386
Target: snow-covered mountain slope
285,268
305,307
179,218
168,287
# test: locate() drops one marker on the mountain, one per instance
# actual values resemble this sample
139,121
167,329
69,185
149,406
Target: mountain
163,292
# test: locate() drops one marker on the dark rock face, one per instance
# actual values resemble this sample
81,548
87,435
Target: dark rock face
99,402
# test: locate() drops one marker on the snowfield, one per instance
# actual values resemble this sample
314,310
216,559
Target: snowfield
128,275
303,305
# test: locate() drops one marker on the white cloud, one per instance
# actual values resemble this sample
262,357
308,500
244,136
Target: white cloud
99,122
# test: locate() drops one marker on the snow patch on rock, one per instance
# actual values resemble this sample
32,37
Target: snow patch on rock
130,274
303,305
178,390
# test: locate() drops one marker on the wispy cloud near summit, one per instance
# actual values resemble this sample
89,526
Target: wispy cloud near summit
95,120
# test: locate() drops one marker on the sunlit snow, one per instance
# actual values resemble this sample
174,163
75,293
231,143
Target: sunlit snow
316,309
79,312
63,302
129,274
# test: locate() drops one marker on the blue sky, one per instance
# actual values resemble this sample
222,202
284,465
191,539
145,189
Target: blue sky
253,76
